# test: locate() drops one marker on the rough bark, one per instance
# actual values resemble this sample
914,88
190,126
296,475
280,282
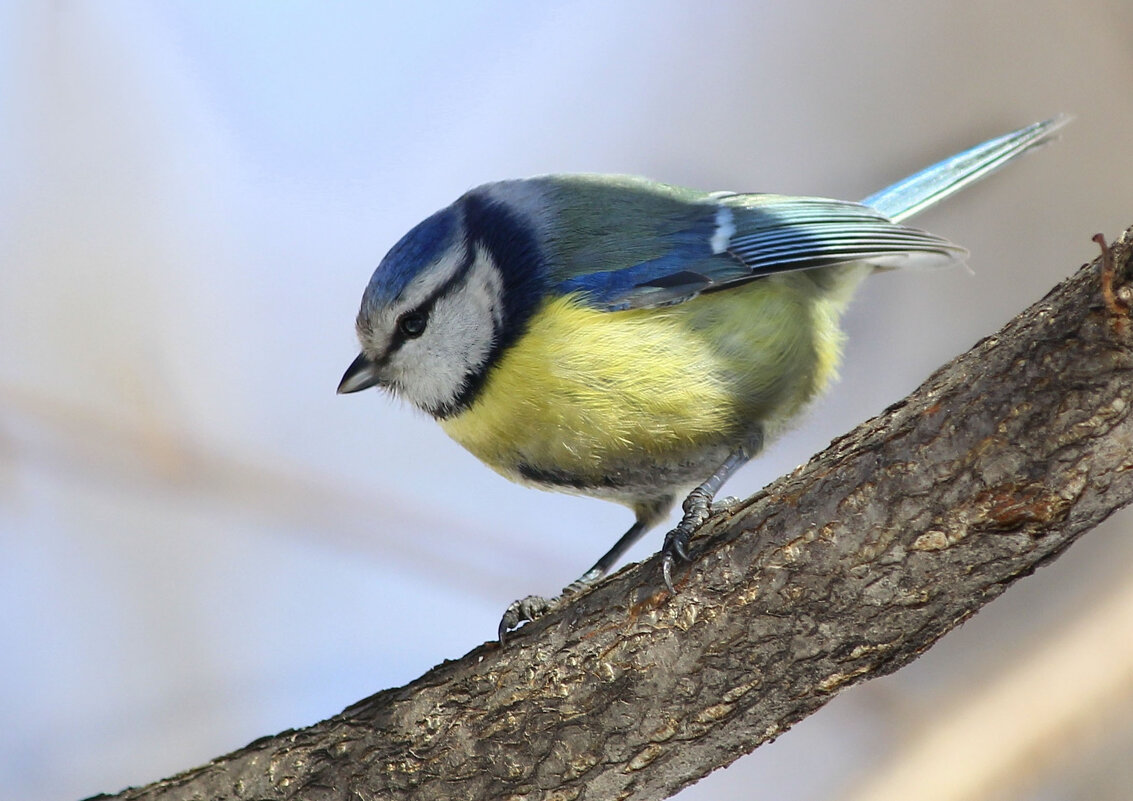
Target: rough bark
846,569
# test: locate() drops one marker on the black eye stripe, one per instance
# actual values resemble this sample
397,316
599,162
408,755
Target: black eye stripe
425,307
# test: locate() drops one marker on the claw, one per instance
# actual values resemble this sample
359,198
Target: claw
508,622
675,547
667,573
523,610
680,550
676,543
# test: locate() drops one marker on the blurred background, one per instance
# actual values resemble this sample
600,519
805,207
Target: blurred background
201,544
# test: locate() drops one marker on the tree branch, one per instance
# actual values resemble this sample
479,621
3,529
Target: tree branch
846,569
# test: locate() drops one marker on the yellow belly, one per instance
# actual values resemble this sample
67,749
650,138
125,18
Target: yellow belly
587,394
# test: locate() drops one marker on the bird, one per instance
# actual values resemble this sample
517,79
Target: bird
634,341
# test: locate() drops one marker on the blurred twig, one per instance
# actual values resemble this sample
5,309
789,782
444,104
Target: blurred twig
846,569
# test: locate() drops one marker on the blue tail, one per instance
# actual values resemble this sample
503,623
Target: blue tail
905,198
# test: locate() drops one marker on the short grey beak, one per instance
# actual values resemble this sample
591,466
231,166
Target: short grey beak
361,374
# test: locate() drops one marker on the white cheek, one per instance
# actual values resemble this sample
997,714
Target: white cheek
431,371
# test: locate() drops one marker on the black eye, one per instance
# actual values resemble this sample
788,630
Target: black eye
412,324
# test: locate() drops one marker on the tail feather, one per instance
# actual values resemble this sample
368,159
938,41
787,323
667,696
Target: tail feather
932,184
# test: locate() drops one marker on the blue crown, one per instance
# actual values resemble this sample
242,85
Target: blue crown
417,249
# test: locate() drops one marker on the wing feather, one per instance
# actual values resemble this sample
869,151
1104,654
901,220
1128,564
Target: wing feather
773,234
625,243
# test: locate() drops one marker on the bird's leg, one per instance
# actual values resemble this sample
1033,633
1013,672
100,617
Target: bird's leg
535,606
697,507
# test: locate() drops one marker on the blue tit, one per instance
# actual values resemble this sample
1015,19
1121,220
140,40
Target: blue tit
628,340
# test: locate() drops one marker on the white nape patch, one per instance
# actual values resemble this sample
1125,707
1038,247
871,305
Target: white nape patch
725,228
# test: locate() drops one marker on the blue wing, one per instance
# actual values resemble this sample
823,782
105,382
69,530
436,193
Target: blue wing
738,238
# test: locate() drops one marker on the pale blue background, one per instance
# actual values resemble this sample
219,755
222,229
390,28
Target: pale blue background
201,544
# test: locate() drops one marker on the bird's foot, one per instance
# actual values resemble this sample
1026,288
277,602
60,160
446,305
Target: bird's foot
697,507
675,547
524,610
534,607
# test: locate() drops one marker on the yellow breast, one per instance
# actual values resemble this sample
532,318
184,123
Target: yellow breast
585,392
